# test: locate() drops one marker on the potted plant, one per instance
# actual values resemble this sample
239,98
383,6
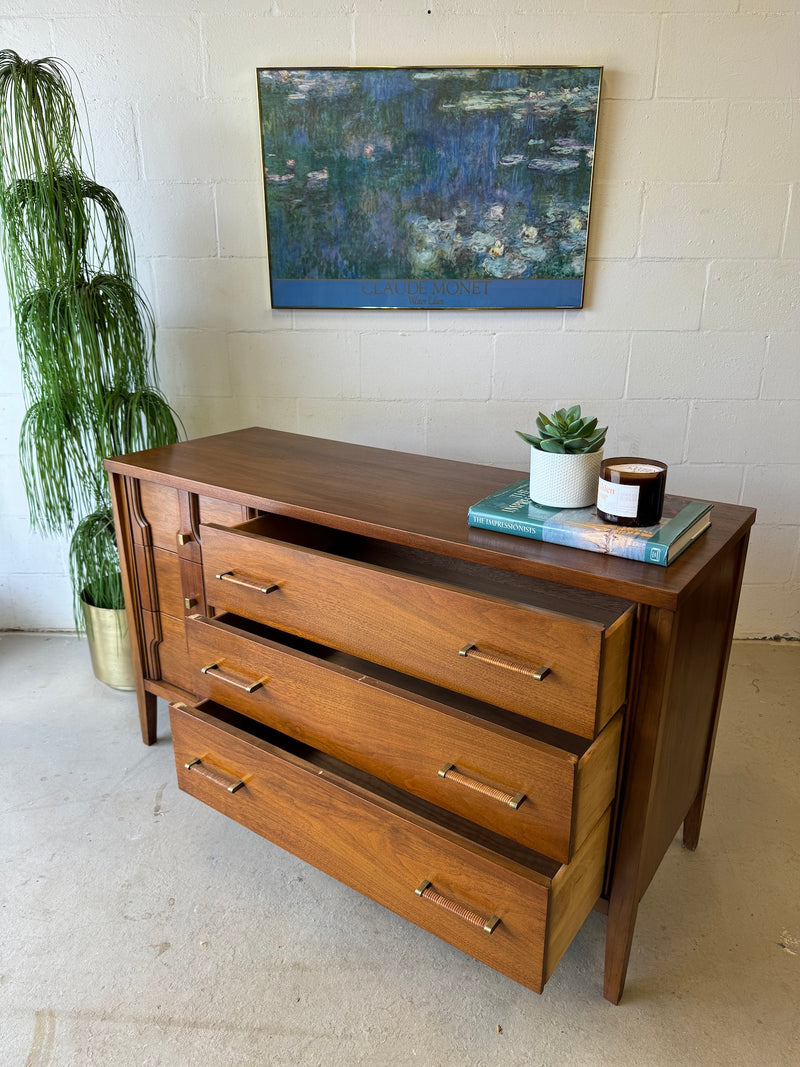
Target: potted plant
85,334
565,458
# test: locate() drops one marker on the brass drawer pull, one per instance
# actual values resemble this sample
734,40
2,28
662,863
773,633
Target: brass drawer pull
231,681
537,673
512,800
228,576
227,781
427,892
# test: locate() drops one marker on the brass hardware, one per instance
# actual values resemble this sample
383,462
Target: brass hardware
227,576
427,892
537,673
189,602
184,538
232,681
511,800
227,781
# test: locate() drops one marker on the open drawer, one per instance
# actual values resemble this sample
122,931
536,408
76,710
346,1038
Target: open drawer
554,654
513,909
532,783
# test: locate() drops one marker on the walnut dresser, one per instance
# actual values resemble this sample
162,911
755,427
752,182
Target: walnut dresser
488,735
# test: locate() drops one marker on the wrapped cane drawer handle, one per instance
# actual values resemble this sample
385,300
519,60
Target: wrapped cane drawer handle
213,774
229,576
427,892
537,673
511,800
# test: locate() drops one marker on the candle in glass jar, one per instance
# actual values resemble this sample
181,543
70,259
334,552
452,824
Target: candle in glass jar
631,491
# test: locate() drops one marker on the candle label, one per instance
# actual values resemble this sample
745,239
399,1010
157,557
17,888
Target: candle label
616,499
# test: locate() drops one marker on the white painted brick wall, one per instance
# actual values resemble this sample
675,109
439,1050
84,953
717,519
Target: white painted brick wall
723,365
689,344
728,56
701,220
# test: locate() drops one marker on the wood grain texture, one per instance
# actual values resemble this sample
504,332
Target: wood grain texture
419,563
192,590
614,664
378,847
575,889
159,578
694,817
414,625
160,510
596,779
701,636
638,789
405,738
187,539
124,524
168,658
220,511
412,500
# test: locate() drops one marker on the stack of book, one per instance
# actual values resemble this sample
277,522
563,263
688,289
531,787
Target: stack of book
511,511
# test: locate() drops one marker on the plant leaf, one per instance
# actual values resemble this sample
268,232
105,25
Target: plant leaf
84,329
552,444
573,413
533,441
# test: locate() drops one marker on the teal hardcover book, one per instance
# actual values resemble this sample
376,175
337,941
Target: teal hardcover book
511,511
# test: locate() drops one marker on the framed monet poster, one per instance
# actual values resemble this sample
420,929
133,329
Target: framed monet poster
428,187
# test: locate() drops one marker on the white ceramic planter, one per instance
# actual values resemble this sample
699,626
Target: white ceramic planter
564,481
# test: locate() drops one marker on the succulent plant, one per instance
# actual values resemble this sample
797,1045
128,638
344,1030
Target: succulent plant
565,431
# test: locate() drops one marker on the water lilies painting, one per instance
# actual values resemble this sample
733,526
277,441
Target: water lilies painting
428,187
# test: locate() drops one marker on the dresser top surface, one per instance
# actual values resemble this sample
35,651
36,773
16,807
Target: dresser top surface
411,500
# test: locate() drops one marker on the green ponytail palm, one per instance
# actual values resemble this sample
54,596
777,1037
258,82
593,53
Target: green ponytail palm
85,330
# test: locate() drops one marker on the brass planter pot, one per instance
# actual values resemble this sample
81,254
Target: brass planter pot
109,646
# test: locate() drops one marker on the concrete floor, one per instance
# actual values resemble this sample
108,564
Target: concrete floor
138,927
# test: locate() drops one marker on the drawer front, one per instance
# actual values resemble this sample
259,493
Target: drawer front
167,656
160,514
533,792
221,511
535,663
158,575
167,582
386,851
156,514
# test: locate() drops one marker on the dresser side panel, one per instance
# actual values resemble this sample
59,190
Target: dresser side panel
702,643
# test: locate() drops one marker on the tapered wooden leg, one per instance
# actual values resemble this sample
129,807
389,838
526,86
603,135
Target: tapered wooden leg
693,822
619,938
147,717
650,659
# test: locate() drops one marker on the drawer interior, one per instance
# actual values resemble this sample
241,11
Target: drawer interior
474,577
537,731
376,787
